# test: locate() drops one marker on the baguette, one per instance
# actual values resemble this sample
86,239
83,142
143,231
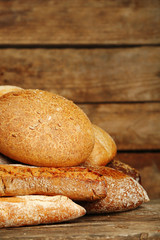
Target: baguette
77,183
125,168
123,193
35,210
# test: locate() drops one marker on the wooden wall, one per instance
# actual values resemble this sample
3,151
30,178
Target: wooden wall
102,54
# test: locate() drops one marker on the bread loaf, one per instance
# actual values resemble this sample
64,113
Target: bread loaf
123,193
77,183
35,210
43,129
125,168
104,148
7,88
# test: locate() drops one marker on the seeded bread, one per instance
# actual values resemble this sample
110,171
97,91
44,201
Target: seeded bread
43,129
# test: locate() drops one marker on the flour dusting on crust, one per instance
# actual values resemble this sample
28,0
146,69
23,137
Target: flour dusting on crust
34,210
123,193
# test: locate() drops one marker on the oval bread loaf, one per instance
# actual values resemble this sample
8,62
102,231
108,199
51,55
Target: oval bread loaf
104,148
43,129
35,210
7,88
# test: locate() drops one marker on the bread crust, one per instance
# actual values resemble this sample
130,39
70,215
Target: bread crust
8,88
77,183
104,149
43,129
35,210
123,193
125,168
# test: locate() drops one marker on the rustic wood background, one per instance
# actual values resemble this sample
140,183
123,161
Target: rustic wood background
102,54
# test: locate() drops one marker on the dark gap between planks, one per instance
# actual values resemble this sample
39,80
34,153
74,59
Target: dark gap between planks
75,46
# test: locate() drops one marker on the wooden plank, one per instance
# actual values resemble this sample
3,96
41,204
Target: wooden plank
140,160
141,223
79,22
133,126
86,75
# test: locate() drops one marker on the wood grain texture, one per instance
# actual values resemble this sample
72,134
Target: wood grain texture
79,22
142,223
133,126
86,75
139,160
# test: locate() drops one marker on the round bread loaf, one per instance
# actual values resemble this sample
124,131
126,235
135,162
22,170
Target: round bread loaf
43,129
7,88
104,148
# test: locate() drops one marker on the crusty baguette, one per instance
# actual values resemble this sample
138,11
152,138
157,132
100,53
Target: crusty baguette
8,88
104,149
77,183
35,210
123,193
125,168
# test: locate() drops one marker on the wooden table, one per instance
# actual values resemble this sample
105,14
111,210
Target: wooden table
142,223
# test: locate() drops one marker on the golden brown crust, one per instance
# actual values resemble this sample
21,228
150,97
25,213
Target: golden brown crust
125,168
7,88
43,129
77,183
123,193
104,148
35,210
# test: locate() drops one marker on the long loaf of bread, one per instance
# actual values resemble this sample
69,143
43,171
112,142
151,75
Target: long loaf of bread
35,210
123,193
77,183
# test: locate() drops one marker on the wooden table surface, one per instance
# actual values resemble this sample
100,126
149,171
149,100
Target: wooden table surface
142,223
